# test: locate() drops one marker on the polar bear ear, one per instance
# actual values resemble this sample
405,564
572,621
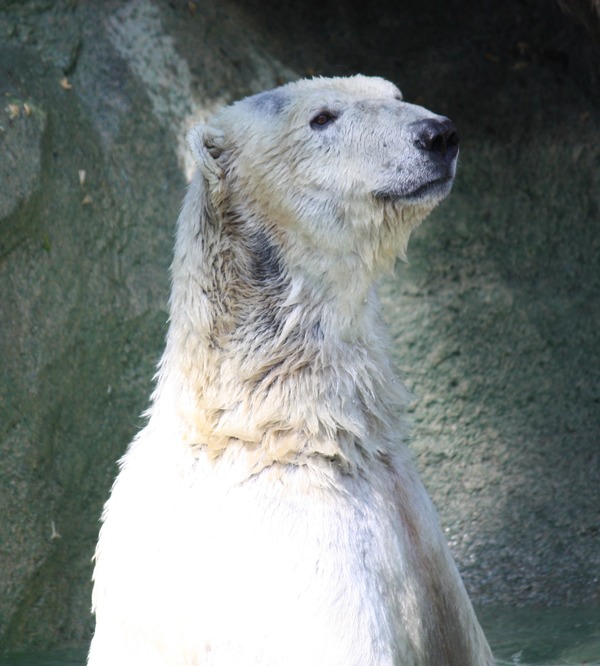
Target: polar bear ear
206,145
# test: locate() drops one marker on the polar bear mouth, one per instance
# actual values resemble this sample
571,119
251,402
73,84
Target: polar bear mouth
440,186
433,190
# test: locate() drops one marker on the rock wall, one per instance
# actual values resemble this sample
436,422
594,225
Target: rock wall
495,317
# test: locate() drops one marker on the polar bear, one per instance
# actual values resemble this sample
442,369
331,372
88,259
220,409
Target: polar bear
268,514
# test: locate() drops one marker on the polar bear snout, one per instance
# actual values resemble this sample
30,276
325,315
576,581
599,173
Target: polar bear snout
437,136
424,165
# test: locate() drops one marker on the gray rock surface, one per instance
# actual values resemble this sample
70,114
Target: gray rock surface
495,318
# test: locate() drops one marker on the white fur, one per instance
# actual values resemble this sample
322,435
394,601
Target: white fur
268,514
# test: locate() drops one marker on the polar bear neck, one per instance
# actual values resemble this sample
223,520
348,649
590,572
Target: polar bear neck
263,357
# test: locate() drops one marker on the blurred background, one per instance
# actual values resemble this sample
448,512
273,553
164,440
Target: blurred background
495,317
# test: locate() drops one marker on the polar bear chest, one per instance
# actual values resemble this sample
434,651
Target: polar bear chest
296,572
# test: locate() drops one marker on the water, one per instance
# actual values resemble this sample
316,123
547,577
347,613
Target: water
58,658
543,636
518,636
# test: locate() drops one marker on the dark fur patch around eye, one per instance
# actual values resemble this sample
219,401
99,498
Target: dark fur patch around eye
271,101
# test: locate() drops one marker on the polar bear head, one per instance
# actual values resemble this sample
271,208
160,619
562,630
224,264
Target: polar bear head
344,162
304,195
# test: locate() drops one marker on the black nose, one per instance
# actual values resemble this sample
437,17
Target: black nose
437,135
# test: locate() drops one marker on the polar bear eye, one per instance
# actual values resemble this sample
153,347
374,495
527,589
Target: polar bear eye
322,120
